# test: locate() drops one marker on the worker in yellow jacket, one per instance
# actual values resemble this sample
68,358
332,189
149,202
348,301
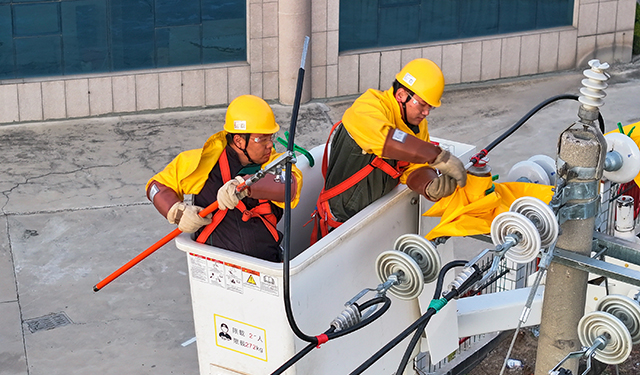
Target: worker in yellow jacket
245,222
383,139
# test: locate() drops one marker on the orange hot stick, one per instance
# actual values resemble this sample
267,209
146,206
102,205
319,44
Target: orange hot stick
212,207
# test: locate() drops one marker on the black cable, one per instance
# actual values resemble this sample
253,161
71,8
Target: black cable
418,333
412,344
331,334
298,356
387,304
287,210
441,274
424,319
526,117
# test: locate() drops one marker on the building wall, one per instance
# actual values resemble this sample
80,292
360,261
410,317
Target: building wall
601,29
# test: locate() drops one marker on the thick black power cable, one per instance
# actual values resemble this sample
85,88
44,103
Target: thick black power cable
526,117
425,317
287,208
298,356
418,333
331,334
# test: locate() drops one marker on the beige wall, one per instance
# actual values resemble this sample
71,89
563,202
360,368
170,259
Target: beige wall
602,29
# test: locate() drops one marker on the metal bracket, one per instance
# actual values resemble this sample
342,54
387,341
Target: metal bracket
599,267
578,211
578,191
580,173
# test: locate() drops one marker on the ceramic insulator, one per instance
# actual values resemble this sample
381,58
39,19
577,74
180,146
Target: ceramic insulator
594,85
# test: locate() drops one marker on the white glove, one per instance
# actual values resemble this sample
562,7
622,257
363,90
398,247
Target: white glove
227,196
187,217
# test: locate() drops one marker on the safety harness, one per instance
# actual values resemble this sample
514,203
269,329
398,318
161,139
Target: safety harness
322,217
262,210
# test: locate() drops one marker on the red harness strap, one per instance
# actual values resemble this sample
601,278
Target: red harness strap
262,210
322,216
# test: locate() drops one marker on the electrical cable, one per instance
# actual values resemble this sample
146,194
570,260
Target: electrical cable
387,304
287,208
476,158
331,334
418,333
298,356
424,319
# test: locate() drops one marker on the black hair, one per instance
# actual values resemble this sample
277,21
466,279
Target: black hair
396,85
246,137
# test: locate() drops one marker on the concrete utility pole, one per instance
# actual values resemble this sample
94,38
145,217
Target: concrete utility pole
581,154
294,23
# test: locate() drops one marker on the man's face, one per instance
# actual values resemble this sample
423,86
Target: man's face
417,109
259,147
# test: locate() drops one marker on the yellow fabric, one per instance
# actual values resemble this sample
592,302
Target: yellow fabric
635,136
187,173
469,211
370,119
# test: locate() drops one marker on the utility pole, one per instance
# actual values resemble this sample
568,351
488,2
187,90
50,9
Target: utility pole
581,154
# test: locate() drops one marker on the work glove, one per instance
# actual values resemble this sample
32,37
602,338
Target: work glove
440,187
227,196
451,166
187,217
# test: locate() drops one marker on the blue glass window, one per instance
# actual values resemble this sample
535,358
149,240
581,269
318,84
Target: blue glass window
380,23
38,56
223,9
178,45
6,43
60,37
132,34
85,36
177,12
224,40
36,19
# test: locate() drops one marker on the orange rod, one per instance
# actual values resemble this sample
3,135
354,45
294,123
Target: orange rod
212,207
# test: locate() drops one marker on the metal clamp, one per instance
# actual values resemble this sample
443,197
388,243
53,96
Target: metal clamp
578,211
580,173
575,191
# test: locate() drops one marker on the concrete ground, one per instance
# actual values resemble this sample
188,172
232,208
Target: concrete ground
74,210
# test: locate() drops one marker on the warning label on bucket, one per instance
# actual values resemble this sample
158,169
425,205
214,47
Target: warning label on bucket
251,278
240,337
230,276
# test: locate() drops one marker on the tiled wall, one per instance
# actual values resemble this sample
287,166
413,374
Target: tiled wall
602,29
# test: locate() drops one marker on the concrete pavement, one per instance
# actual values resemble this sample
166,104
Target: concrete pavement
73,210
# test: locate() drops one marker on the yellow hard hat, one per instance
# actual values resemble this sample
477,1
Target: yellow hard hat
250,114
424,78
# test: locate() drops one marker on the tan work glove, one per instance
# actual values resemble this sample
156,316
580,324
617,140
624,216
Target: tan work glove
451,166
227,196
440,187
187,217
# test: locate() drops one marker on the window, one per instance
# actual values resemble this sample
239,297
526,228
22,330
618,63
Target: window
63,37
383,23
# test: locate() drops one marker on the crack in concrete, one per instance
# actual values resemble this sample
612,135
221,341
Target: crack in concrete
75,209
15,280
6,193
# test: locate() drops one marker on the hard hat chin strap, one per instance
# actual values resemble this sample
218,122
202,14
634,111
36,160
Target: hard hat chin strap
247,137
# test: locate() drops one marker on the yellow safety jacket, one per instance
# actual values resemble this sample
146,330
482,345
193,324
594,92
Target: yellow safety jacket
188,172
370,119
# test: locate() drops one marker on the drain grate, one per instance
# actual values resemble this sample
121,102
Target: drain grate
47,322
